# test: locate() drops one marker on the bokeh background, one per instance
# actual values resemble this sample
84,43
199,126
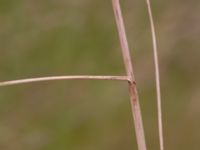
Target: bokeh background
66,37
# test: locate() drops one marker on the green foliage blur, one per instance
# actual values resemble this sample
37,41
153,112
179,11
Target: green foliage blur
68,37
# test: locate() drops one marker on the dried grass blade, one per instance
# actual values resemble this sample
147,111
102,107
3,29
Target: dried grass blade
157,75
53,78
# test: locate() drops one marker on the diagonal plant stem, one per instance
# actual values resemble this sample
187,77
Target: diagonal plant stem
52,78
134,98
157,75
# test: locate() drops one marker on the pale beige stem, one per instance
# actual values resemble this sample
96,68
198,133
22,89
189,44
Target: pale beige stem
136,112
157,75
52,78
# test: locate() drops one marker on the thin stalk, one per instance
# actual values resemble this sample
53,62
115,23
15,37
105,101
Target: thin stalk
134,98
52,78
157,75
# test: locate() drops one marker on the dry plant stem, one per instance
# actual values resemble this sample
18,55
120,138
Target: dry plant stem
136,112
158,93
52,78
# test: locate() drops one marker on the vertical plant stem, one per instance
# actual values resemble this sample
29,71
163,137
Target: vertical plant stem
158,93
136,112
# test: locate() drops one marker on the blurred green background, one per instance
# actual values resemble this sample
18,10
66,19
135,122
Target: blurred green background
66,37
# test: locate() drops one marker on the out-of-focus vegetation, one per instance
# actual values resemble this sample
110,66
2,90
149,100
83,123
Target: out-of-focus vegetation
64,37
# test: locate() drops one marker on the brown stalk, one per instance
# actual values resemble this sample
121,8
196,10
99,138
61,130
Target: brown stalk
136,112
